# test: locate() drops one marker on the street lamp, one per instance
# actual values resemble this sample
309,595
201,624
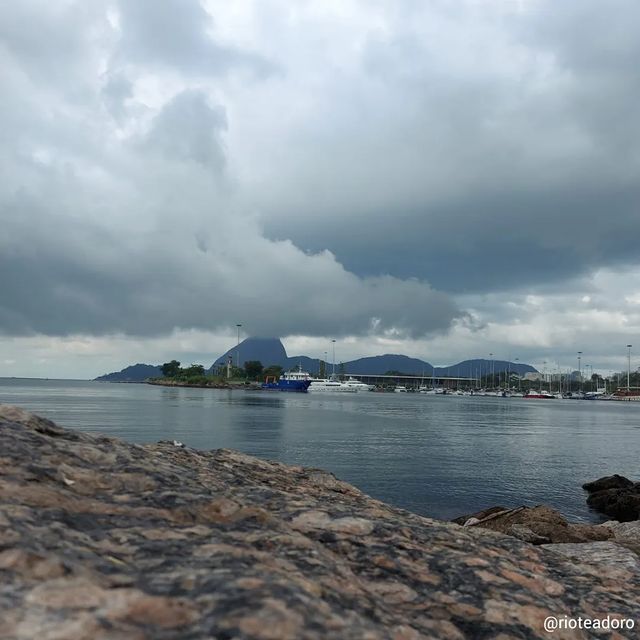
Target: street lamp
333,369
579,371
586,368
628,365
491,369
238,348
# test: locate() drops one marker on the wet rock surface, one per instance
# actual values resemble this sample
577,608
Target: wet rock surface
103,539
615,496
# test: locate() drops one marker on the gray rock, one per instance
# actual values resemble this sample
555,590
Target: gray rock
626,534
615,496
602,554
537,525
525,534
101,539
608,482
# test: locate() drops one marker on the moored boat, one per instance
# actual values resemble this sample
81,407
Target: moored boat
357,385
290,381
336,386
543,394
322,385
626,395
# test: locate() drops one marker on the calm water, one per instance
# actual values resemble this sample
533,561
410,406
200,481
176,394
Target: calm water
437,456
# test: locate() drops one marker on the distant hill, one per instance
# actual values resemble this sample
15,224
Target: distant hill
481,367
271,351
134,373
388,362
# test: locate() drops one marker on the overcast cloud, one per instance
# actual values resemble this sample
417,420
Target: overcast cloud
440,179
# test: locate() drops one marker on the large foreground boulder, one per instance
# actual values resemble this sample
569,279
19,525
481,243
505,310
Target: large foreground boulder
615,496
100,539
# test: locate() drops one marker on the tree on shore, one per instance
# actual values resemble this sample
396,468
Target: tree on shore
195,370
273,370
170,369
253,369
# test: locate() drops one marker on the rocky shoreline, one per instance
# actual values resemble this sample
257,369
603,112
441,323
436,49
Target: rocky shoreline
243,386
101,539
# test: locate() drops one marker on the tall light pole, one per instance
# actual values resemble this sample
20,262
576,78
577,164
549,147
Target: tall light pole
628,366
586,368
579,371
333,370
325,364
491,368
238,348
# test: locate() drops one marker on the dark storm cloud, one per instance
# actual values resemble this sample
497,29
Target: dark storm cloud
497,242
150,182
517,167
107,231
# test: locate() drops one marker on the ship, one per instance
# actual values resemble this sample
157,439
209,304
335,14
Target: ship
298,381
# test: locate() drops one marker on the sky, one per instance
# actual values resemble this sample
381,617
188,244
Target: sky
445,179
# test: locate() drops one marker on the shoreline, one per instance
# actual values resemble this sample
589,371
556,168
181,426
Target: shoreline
214,385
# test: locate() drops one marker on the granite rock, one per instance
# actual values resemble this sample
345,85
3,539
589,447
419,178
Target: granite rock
626,534
615,496
101,539
599,553
622,504
536,525
608,482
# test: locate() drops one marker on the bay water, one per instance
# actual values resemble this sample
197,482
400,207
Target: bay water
439,456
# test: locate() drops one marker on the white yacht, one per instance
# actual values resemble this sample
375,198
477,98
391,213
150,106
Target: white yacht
353,383
333,384
329,385
400,389
432,391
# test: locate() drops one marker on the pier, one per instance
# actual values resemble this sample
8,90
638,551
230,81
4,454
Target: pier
415,381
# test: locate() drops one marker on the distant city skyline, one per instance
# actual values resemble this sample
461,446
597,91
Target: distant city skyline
400,177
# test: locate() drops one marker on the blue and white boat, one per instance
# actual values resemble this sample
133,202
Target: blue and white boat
291,381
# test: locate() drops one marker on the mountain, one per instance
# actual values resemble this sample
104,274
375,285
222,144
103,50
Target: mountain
388,362
482,367
271,351
134,373
267,350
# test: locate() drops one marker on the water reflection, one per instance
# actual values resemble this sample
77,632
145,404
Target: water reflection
436,456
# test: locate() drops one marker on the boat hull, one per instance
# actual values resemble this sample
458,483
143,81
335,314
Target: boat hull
296,386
